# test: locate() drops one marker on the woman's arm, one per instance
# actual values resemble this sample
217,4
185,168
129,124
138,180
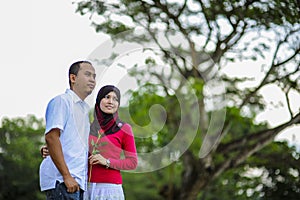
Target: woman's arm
130,160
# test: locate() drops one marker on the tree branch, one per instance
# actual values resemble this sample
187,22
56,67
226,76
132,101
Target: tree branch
269,133
244,149
266,80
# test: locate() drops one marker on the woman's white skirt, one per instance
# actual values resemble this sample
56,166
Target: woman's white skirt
104,191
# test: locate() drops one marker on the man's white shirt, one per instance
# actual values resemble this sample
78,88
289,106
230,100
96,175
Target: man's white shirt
70,114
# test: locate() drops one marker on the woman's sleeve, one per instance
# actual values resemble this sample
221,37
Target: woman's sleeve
130,160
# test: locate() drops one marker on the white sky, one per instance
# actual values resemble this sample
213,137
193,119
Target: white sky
39,40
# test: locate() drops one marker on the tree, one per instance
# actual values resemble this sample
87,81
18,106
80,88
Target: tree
200,40
271,173
20,140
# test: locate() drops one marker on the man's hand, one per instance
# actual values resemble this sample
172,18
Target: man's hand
71,184
55,151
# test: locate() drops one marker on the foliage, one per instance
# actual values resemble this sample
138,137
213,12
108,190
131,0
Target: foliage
152,123
151,185
196,42
240,125
271,173
280,171
20,141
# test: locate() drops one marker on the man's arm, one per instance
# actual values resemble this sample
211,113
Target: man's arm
55,151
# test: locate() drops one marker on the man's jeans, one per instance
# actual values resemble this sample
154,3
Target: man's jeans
60,193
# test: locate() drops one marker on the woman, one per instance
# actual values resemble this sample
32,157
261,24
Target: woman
109,137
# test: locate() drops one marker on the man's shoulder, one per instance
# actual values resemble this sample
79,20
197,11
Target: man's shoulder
60,101
62,97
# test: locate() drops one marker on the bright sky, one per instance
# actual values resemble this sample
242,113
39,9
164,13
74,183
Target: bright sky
39,40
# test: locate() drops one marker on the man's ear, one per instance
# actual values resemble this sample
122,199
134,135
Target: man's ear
72,78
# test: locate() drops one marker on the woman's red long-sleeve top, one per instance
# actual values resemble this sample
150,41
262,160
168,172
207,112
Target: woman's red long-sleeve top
120,149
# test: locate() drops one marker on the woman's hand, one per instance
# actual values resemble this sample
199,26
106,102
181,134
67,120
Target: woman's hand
44,151
97,159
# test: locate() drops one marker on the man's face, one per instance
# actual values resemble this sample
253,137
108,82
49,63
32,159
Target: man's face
84,82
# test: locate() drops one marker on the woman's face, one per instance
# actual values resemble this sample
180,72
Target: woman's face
109,104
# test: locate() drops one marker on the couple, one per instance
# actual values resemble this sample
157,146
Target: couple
79,149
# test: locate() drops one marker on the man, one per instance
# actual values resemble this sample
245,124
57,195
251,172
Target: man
63,174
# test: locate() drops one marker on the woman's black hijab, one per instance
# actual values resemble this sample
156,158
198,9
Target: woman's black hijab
109,123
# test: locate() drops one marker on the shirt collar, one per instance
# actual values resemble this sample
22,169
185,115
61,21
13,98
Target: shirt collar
76,99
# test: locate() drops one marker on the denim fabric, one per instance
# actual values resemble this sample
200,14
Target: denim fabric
60,193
